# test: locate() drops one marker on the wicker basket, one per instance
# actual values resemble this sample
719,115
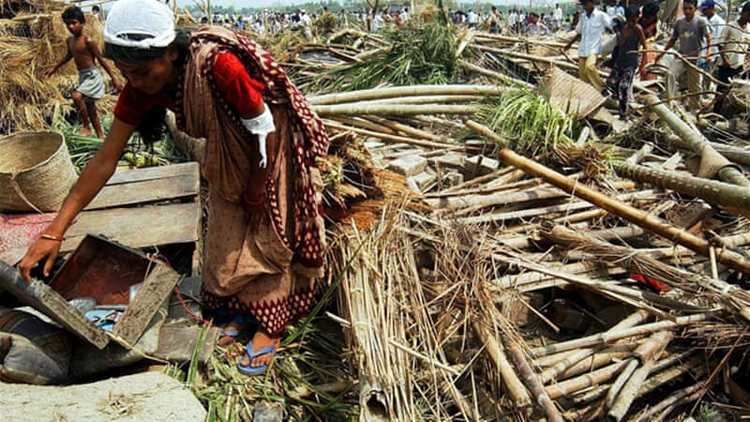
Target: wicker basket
36,172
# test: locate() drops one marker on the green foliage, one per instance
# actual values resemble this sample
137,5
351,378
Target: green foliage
422,54
83,148
531,124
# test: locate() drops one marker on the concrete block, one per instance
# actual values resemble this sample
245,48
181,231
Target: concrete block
453,160
479,165
147,396
425,180
409,165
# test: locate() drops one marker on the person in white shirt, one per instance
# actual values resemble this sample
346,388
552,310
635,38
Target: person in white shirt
732,46
405,15
620,9
716,25
377,22
304,18
590,30
557,17
512,20
611,10
472,19
536,28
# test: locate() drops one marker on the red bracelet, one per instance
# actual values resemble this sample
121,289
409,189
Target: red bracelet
51,237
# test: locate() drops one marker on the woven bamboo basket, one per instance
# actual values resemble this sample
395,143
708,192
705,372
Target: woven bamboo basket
36,172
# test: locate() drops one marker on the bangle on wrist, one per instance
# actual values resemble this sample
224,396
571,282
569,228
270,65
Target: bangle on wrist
52,237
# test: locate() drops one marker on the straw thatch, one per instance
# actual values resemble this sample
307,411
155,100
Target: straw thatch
31,44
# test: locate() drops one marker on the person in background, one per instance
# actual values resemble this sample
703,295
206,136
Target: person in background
557,17
627,59
85,53
258,26
377,22
512,20
732,45
472,19
494,21
611,8
521,21
535,26
590,30
716,25
620,9
691,30
97,11
650,24
404,16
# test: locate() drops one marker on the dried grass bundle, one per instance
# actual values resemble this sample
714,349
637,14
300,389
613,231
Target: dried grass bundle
30,45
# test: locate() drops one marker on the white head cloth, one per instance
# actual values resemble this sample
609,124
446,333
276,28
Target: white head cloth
151,20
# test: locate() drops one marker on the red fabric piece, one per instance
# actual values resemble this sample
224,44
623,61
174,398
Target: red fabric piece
655,284
18,232
243,93
133,105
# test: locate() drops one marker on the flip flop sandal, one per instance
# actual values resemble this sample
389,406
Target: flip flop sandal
255,370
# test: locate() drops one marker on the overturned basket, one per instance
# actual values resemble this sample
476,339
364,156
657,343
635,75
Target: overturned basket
36,172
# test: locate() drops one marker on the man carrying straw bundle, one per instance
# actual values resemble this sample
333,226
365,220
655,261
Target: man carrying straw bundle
91,85
266,238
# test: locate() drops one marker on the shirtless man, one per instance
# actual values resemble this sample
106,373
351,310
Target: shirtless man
91,86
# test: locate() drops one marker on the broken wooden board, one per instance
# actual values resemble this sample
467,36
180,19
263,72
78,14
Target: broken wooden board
121,193
107,215
43,298
154,292
138,227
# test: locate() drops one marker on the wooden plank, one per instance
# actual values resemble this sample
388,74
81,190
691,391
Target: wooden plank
138,227
152,173
145,191
42,298
155,290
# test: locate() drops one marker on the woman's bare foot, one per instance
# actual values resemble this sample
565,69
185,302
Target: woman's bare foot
86,131
233,329
261,339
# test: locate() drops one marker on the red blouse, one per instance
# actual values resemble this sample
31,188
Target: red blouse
243,92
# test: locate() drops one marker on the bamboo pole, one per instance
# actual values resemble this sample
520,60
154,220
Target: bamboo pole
592,379
592,362
426,99
725,194
609,337
494,75
514,385
406,129
614,206
356,109
536,387
620,400
673,398
506,199
405,91
387,137
657,380
554,371
697,143
734,154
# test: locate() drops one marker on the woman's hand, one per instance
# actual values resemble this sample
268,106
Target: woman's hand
43,250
